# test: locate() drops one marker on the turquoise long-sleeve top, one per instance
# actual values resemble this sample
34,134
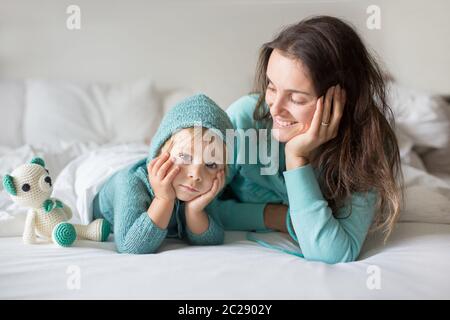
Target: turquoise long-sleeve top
320,235
124,200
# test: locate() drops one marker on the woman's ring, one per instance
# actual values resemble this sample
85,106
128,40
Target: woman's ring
325,124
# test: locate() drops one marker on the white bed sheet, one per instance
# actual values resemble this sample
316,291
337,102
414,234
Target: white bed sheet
414,264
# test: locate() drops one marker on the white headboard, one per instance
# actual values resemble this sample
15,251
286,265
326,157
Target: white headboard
206,45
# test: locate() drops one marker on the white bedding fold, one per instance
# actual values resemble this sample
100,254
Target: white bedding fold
82,178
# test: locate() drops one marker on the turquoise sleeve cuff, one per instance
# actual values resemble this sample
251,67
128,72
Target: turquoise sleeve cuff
214,235
143,237
302,187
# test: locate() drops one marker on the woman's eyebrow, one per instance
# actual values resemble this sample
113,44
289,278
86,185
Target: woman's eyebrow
291,90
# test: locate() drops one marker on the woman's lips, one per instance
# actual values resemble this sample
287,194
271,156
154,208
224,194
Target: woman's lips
284,123
190,189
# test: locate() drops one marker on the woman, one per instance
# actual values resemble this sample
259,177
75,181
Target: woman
322,96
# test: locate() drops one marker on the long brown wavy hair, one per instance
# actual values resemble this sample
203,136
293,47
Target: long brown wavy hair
365,152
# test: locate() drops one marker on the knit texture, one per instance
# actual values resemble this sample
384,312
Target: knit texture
197,110
97,230
64,234
125,198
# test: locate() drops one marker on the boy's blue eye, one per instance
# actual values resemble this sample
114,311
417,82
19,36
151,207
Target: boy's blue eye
212,165
184,157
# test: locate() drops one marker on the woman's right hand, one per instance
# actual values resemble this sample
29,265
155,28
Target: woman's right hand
275,217
161,173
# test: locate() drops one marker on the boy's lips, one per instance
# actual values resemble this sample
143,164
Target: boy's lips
188,188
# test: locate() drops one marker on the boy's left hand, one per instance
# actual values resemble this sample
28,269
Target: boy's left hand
199,203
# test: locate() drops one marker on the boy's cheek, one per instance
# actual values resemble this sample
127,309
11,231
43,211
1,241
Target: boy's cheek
210,183
176,181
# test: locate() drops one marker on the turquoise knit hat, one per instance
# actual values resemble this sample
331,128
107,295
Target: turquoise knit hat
196,110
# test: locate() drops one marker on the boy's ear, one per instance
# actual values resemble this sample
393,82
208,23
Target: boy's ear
39,161
8,183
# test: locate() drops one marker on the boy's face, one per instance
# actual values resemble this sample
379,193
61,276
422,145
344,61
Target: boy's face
199,165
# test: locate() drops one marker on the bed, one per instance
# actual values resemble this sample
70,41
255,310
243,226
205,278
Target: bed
89,100
83,152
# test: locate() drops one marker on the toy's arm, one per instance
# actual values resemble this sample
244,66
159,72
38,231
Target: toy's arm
29,234
67,211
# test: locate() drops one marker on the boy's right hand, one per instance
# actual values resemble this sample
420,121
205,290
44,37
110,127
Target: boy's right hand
161,173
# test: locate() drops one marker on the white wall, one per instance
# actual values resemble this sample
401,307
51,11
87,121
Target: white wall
206,45
416,43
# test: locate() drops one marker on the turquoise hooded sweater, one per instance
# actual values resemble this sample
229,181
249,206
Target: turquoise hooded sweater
320,235
126,196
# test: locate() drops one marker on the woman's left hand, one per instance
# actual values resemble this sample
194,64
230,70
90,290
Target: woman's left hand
324,125
199,203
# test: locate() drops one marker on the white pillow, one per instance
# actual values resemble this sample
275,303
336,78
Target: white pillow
438,160
99,113
420,116
408,155
427,197
426,204
134,111
12,102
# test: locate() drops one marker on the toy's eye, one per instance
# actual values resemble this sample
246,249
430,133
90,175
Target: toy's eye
45,183
47,171
26,187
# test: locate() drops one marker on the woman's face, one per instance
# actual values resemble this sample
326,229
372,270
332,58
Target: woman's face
198,168
290,96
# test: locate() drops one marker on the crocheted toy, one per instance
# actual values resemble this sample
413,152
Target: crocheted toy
30,185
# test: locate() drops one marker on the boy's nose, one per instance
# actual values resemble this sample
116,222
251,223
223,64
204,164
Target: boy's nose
195,177
194,173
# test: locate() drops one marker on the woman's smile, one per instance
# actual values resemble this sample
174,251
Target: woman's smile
284,123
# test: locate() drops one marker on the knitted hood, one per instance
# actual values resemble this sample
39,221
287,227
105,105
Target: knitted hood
196,110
